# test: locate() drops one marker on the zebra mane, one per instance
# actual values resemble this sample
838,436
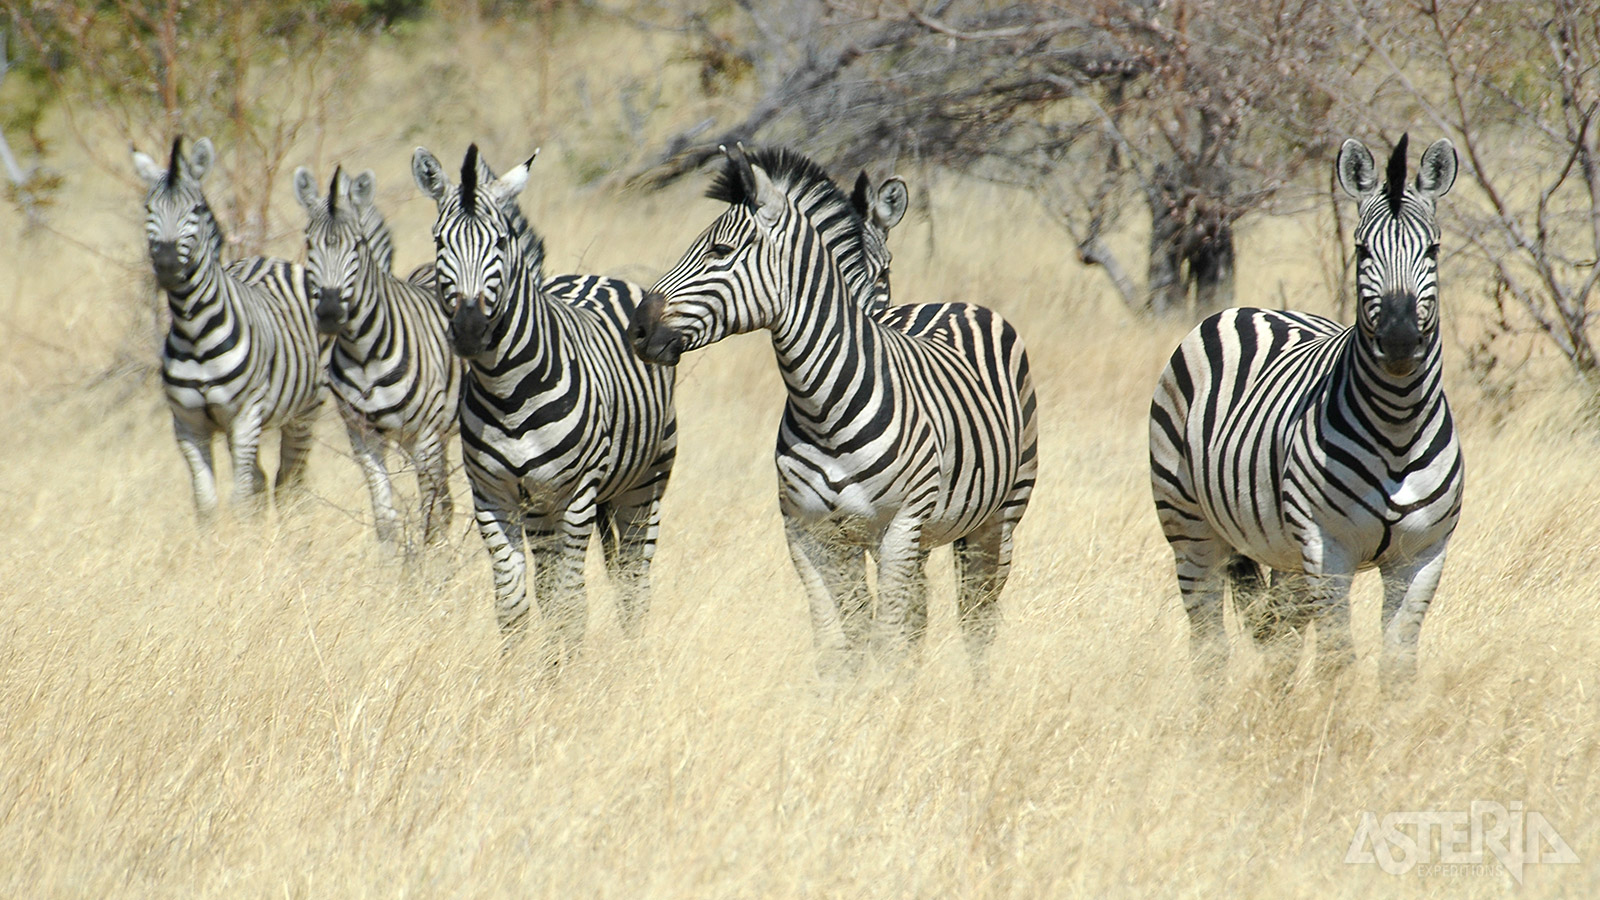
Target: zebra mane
333,193
818,198
469,181
1395,190
175,162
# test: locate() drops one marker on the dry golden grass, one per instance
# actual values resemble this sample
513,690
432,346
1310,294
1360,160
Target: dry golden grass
276,709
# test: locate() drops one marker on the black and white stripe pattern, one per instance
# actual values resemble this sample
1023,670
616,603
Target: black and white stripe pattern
1318,450
563,432
242,352
394,378
904,430
880,209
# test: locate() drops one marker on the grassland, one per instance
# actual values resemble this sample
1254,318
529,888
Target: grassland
276,709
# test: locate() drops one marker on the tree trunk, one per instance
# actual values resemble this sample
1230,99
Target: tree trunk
1168,292
1211,268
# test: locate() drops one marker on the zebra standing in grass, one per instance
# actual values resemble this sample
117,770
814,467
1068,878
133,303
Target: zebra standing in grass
1283,439
905,429
242,353
393,375
563,432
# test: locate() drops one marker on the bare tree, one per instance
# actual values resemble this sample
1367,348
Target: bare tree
1198,111
257,76
1517,85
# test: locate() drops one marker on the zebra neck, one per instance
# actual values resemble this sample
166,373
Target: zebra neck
203,301
827,347
370,327
528,341
1394,407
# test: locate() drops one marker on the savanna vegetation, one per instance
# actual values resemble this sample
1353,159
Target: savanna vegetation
275,707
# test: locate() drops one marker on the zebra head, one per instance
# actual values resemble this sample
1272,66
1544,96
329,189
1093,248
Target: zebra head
479,255
733,278
179,226
345,232
1397,250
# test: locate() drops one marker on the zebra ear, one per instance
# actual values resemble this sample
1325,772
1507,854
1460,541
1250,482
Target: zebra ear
769,201
201,156
429,175
1358,174
363,188
151,171
890,206
305,189
741,168
1436,173
509,185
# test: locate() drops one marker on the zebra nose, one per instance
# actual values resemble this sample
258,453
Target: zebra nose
164,255
469,327
330,311
1398,335
651,341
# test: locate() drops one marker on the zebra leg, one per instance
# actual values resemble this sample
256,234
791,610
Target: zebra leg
249,481
368,447
433,487
835,579
559,556
294,445
1408,589
1277,614
194,442
628,556
1199,561
1329,596
982,562
501,529
901,564
917,605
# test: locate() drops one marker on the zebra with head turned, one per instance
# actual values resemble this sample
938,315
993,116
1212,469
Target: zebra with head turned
242,353
1283,439
392,373
904,429
563,432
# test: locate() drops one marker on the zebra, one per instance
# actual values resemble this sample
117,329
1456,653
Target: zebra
394,379
242,353
880,209
563,432
904,430
1284,439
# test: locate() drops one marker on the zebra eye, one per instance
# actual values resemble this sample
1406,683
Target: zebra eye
438,242
720,251
500,243
1362,253
1432,252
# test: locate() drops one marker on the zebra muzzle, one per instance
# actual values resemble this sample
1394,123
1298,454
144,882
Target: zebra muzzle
650,338
1398,335
469,329
330,311
652,341
167,263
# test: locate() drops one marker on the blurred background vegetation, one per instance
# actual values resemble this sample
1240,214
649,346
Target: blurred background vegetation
1174,122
